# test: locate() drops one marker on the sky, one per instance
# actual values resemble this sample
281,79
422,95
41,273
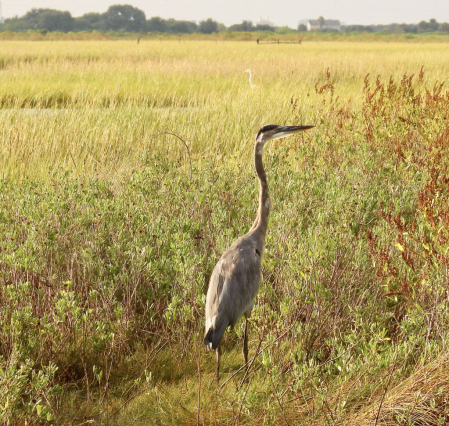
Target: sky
280,12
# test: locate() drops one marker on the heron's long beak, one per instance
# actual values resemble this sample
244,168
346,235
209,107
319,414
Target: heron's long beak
283,131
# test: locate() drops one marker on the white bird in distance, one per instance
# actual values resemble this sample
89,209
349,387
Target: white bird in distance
250,75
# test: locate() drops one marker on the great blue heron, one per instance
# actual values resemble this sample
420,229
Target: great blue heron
235,279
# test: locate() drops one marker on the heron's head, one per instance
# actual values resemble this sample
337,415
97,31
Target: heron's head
273,131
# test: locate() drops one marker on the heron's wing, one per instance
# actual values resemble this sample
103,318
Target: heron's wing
233,285
242,280
240,289
216,284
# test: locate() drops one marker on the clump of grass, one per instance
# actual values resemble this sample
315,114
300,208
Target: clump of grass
420,398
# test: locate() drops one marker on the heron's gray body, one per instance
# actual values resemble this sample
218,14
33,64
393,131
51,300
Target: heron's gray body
235,280
233,286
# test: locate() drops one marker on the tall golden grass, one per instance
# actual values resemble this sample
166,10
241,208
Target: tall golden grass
94,106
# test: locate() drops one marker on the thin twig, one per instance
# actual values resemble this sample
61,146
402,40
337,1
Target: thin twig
250,365
255,356
76,168
246,183
146,366
385,392
328,408
343,353
258,352
199,387
185,144
279,401
241,404
139,392
130,399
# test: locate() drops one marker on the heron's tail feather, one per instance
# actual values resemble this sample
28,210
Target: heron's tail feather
214,335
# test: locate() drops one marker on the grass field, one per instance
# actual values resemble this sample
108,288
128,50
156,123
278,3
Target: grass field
109,231
100,102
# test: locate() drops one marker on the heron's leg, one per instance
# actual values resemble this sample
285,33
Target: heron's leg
217,372
245,341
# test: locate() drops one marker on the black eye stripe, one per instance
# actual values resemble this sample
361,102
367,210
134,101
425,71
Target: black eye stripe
267,128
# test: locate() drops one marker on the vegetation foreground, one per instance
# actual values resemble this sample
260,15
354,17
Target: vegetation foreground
110,230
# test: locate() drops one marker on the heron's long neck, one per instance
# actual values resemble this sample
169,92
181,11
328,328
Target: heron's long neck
261,222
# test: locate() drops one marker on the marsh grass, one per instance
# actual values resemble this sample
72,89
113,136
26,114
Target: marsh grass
110,231
105,101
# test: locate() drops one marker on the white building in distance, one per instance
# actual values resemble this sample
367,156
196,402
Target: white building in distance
261,21
314,24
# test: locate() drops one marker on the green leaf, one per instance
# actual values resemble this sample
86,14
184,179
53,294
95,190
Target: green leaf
399,247
418,307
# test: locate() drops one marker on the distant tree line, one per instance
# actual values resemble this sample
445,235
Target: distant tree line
119,18
127,18
423,27
249,27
